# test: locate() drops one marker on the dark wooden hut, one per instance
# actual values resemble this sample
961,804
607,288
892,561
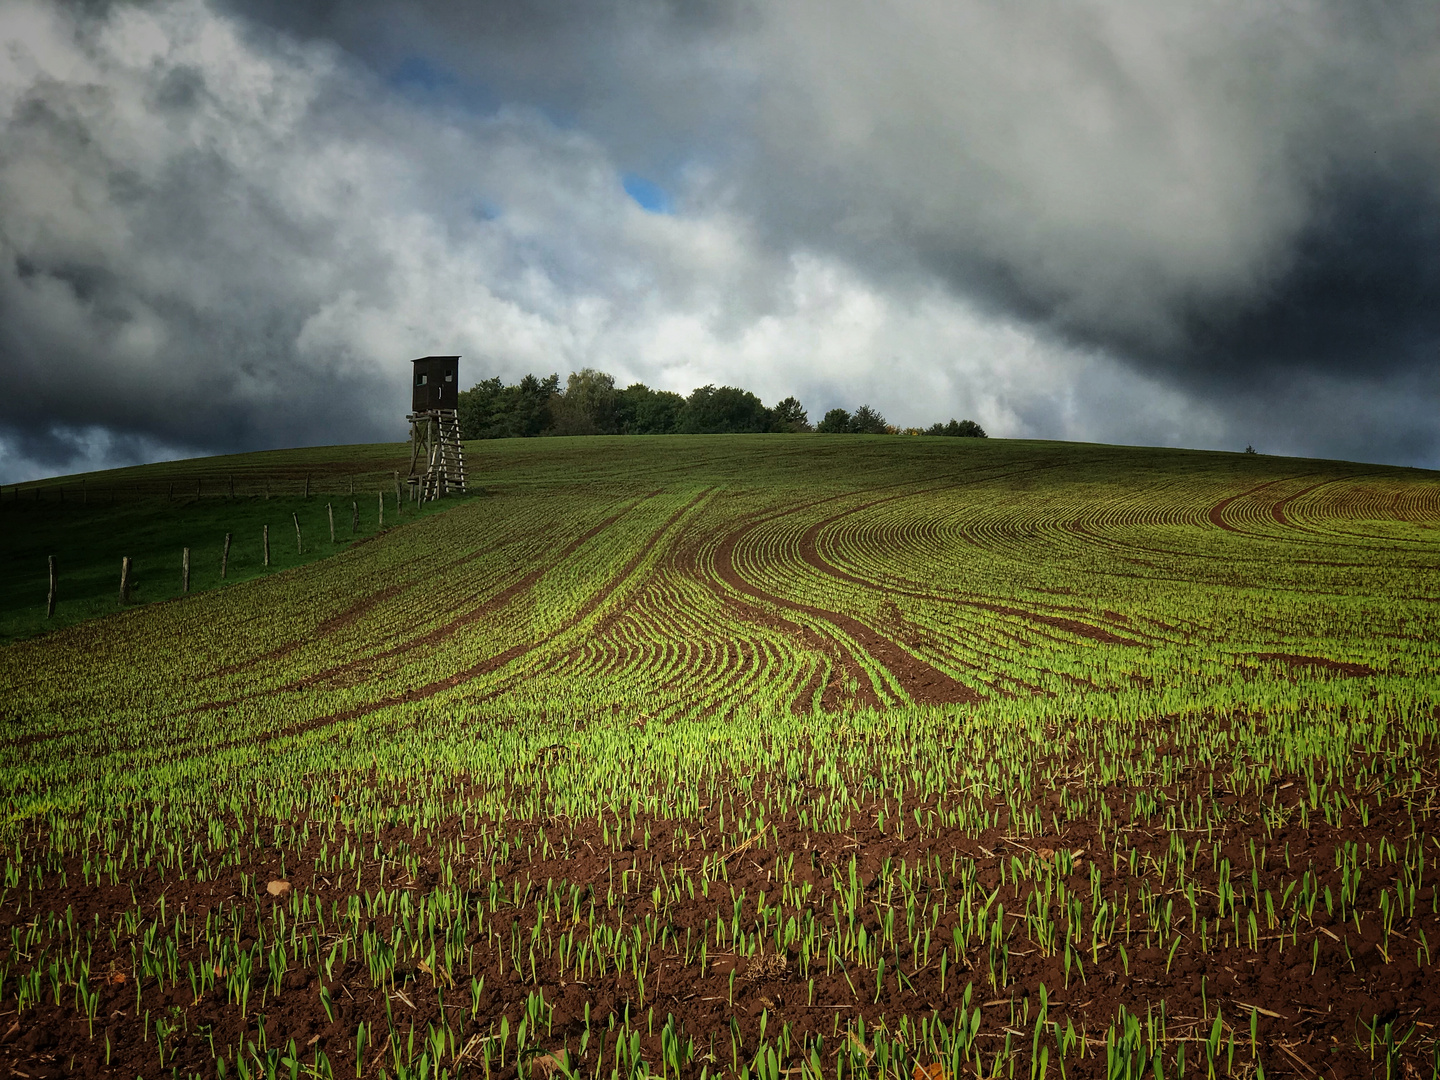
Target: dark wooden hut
436,383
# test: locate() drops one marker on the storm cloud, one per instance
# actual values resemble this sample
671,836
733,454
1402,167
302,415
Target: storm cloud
230,226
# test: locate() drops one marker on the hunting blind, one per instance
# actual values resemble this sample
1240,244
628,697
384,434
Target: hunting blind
437,461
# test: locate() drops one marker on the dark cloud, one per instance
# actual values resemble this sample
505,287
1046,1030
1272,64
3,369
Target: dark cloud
227,225
1361,296
1225,198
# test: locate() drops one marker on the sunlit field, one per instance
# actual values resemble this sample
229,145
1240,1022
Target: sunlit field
746,755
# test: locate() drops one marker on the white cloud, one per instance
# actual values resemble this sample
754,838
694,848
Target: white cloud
225,238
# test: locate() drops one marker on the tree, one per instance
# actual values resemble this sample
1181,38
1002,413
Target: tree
588,405
967,429
711,410
642,411
530,406
789,415
491,410
868,421
836,422
478,408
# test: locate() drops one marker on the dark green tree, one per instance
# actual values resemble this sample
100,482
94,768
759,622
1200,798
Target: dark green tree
492,410
530,406
836,422
640,410
711,410
478,408
966,429
789,415
868,421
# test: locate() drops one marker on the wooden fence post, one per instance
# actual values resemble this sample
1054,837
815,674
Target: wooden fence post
185,570
225,557
265,536
354,516
54,587
397,492
299,547
381,496
307,485
330,513
125,579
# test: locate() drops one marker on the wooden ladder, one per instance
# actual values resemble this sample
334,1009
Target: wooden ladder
447,459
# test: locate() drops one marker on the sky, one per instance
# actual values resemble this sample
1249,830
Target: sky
230,224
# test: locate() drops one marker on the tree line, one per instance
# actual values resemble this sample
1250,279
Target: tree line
591,404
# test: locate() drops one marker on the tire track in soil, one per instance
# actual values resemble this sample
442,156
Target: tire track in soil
352,614
1277,512
1345,668
925,685
843,660
810,553
439,633
687,561
1217,512
922,681
1327,535
494,663
332,625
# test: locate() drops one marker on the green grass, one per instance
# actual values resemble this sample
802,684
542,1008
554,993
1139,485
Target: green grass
152,513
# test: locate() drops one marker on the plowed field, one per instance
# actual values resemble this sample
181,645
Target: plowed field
815,756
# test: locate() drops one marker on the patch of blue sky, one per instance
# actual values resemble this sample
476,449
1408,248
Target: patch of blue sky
420,77
648,194
418,73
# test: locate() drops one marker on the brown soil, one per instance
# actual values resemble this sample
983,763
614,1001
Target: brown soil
810,553
1217,512
1308,1028
922,682
491,663
1340,667
431,637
